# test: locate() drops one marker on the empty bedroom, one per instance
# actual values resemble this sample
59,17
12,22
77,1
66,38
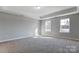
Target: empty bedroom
39,29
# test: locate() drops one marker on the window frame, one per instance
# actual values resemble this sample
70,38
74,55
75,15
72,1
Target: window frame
65,25
48,26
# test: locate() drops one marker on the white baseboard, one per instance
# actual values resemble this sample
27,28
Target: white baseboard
18,38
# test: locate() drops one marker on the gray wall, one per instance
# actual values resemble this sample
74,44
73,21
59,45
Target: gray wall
15,26
74,27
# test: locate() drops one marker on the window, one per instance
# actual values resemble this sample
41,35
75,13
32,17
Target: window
36,32
48,26
65,25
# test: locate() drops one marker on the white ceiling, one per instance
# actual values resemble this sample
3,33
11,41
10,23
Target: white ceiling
35,13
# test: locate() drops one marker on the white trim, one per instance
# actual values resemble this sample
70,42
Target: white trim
60,15
10,12
4,10
18,38
15,14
